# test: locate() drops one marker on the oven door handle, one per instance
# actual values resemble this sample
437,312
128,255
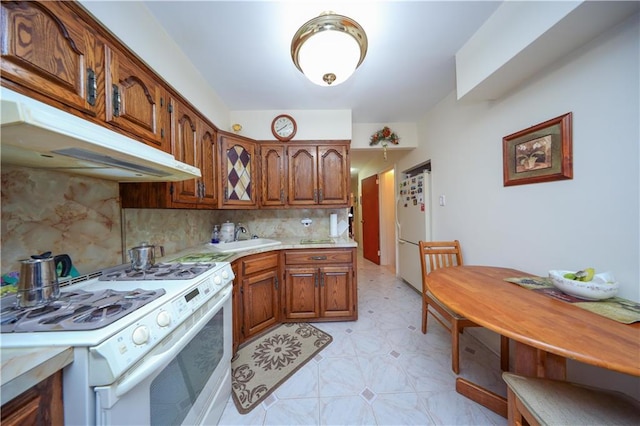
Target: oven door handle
162,359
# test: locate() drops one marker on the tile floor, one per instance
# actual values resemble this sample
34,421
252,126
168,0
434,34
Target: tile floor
381,370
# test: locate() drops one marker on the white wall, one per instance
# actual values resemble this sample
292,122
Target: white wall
387,217
311,124
407,132
137,28
591,220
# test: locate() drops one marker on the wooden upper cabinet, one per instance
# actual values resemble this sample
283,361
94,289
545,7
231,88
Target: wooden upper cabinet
208,160
303,175
318,175
193,141
273,175
238,172
48,49
135,100
333,175
185,146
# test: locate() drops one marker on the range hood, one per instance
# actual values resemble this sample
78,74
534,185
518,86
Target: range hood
37,135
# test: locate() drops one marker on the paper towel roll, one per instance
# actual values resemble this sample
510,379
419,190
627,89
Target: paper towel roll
333,225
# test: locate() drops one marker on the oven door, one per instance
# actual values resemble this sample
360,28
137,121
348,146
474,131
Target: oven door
185,380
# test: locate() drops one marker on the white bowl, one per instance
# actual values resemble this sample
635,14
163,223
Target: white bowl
602,286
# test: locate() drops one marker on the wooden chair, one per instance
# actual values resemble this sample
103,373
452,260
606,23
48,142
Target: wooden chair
442,254
536,401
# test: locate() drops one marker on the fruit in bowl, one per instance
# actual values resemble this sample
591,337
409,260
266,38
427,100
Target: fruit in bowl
585,284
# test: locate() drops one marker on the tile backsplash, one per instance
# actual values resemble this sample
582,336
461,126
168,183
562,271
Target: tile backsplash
81,216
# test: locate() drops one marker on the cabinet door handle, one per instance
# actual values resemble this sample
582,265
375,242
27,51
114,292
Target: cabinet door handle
92,87
322,281
320,196
116,100
281,195
315,195
316,280
276,283
318,257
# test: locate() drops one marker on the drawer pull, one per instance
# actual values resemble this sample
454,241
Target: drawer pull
318,257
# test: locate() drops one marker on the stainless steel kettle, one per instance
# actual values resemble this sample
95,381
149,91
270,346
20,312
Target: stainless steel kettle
38,283
143,257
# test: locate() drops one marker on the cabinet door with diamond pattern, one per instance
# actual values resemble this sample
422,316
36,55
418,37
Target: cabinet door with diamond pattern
238,165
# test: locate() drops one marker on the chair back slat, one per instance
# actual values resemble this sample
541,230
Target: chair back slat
440,254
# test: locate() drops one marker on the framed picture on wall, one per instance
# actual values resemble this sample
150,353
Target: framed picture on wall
541,153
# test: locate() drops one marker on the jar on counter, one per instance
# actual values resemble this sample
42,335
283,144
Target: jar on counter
226,232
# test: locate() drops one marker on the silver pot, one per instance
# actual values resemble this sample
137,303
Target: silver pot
143,257
38,283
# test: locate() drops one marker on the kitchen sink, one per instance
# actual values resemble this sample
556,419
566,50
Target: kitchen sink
236,246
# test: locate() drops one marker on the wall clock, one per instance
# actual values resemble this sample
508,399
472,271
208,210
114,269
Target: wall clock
284,127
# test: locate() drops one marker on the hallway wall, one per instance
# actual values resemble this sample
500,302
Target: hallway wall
387,218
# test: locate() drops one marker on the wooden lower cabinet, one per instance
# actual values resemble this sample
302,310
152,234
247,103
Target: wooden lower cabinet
257,279
39,405
320,285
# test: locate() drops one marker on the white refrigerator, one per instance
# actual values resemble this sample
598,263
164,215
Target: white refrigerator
413,215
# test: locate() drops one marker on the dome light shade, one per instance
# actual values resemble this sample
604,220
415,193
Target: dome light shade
329,48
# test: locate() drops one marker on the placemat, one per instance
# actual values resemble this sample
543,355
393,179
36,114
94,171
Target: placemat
203,257
616,308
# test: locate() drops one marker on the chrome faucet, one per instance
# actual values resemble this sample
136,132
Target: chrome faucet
239,228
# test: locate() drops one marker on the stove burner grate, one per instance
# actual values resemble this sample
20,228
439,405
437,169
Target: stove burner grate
76,310
159,271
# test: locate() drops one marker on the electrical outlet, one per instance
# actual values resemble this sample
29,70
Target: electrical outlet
443,200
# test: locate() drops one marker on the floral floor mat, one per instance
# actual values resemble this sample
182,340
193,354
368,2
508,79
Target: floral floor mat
262,365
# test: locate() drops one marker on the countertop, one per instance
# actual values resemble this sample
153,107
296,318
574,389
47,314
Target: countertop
26,367
286,243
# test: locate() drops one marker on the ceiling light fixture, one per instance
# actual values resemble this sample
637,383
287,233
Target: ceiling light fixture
328,49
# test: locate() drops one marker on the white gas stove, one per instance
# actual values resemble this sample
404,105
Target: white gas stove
121,296
118,321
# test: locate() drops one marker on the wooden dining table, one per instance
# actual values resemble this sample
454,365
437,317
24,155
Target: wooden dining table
546,331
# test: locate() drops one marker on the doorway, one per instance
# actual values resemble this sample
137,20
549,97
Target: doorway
378,212
371,219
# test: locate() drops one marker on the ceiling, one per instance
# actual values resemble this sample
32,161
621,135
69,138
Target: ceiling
242,48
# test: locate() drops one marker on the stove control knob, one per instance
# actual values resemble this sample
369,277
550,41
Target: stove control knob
217,280
225,274
163,319
140,335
